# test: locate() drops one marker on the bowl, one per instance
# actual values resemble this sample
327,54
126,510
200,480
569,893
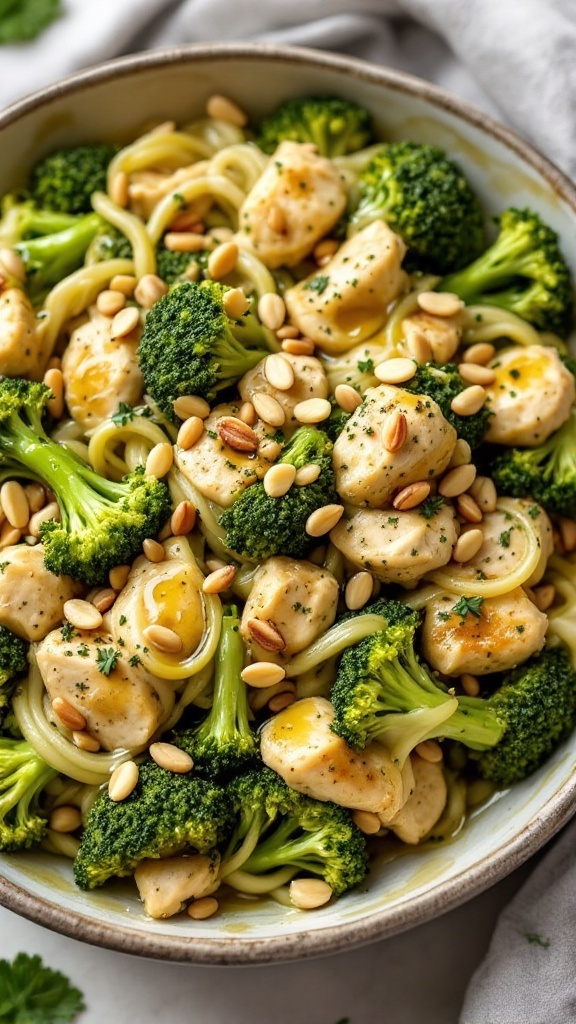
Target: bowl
112,101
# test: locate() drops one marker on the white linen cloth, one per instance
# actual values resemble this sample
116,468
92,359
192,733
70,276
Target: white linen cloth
513,58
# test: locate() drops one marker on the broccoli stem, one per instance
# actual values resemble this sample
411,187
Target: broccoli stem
51,257
281,849
229,713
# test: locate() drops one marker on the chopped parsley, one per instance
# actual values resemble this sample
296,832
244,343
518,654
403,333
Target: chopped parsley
126,414
68,632
465,605
107,659
537,940
504,538
318,284
431,507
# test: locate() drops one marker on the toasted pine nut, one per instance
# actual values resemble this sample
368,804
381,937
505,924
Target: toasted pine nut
236,303
263,673
124,283
51,511
461,455
222,260
160,459
287,332
203,908
153,550
309,893
312,410
104,599
272,310
68,715
36,496
219,580
394,431
266,634
163,639
358,590
54,380
237,434
9,535
429,750
118,576
186,241
190,432
124,322
469,401
172,758
323,520
191,405
457,480
326,248
13,264
468,545
418,346
368,822
298,346
481,354
440,303
484,493
278,372
468,508
84,741
275,219
123,781
183,519
307,474
65,819
473,373
281,701
110,302
347,398
82,614
223,109
15,504
568,533
544,596
248,414
119,189
279,479
470,684
411,496
395,371
149,289
268,409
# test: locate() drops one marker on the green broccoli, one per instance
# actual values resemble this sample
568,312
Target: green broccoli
278,828
103,522
546,473
165,814
395,612
336,422
523,272
334,125
190,346
23,776
13,663
111,244
258,526
425,198
224,742
442,384
66,179
21,219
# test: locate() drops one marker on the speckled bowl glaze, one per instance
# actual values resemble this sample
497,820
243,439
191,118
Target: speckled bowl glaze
111,102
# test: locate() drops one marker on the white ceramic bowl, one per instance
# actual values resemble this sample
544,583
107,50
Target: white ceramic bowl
111,102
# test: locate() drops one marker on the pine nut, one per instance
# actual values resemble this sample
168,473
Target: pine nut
326,248
163,639
124,322
468,545
367,822
187,406
82,614
223,109
411,496
395,371
190,432
68,715
279,479
281,701
248,414
418,345
456,481
183,519
287,332
262,674
153,550
13,264
323,520
149,289
110,302
203,908
347,398
65,819
266,634
123,781
307,474
54,380
481,354
461,455
160,459
312,410
222,260
104,599
468,508
394,431
236,303
469,401
298,346
358,590
119,189
268,409
219,580
472,373
237,434
484,493
440,303
470,684
36,496
172,758
309,893
9,535
544,596
278,372
84,741
212,564
118,576
568,533
15,504
429,750
269,450
186,241
276,219
124,283
272,310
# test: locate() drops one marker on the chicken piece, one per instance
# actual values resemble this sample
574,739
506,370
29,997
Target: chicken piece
100,372
122,703
31,598
21,351
296,201
310,381
502,633
147,188
424,805
504,542
347,301
443,333
219,472
298,597
531,396
299,745
166,886
368,474
397,547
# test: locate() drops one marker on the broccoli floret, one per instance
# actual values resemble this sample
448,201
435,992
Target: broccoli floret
276,827
258,526
336,422
111,244
65,180
165,814
13,663
103,522
395,612
546,473
442,384
523,272
23,776
334,125
190,346
425,198
224,743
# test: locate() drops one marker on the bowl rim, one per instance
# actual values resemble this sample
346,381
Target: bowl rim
558,809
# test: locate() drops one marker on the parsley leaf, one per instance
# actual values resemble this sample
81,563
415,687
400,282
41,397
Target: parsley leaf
107,659
126,413
33,994
468,604
365,365
431,507
504,538
537,940
318,284
68,632
23,20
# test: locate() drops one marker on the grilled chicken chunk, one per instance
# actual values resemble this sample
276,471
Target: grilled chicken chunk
531,396
32,598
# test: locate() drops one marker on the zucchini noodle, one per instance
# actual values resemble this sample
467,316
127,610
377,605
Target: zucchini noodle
488,323
333,642
562,615
192,690
243,163
220,189
61,844
158,149
133,228
182,489
260,885
252,268
106,438
393,333
214,133
73,294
